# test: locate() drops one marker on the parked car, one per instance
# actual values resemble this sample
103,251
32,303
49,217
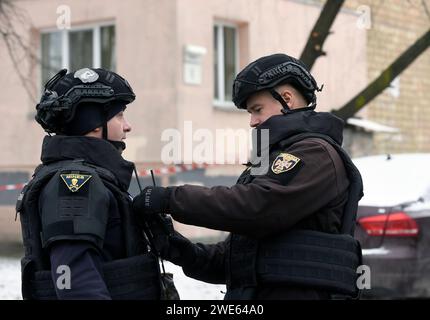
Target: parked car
393,224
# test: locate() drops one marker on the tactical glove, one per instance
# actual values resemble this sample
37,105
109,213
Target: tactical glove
151,200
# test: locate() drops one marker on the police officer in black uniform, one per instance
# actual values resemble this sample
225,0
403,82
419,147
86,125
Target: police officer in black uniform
80,236
292,227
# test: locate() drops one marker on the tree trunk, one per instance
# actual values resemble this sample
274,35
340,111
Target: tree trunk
319,33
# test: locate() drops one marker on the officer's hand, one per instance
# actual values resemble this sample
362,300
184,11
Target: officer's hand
180,250
151,201
170,244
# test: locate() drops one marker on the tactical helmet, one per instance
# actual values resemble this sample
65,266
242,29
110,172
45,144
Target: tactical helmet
270,71
76,103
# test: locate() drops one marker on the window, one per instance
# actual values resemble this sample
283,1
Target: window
225,63
77,48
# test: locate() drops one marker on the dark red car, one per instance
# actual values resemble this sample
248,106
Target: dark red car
393,224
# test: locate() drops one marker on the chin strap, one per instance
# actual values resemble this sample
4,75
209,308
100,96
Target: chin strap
119,145
285,108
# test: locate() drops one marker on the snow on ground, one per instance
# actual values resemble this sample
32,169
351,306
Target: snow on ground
189,289
10,279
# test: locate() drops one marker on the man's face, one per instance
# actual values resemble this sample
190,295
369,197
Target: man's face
118,127
262,106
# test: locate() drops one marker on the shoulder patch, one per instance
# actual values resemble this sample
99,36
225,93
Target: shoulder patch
75,181
284,162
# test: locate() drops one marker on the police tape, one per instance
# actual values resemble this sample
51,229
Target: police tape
142,173
173,169
8,187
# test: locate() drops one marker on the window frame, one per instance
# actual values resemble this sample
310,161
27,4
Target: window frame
65,57
221,103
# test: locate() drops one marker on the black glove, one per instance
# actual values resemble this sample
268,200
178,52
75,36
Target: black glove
170,244
151,201
180,251
150,206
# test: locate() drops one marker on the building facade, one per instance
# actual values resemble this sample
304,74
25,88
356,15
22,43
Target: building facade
181,57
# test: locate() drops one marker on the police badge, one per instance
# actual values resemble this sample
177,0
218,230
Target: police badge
284,162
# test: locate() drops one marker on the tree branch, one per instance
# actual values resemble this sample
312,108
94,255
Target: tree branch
18,50
384,80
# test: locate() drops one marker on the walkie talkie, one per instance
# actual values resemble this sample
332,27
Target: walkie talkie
168,289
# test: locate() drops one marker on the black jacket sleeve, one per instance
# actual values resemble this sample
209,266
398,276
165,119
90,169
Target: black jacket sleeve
209,263
74,224
85,266
271,202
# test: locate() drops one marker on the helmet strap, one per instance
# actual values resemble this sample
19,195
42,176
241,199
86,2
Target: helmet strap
104,133
285,108
119,145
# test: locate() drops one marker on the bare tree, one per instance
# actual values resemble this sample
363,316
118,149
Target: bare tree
20,50
314,46
313,50
384,80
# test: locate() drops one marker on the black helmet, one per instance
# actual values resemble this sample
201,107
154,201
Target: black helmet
270,71
76,103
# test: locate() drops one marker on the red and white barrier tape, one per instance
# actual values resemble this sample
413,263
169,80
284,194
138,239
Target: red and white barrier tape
8,187
173,169
142,173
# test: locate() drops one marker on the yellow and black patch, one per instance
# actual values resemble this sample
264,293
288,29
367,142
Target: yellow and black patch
75,181
284,162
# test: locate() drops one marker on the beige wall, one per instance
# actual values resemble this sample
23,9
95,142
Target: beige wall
273,26
10,230
151,35
145,56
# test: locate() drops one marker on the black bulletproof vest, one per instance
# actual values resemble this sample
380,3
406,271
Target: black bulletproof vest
306,258
135,277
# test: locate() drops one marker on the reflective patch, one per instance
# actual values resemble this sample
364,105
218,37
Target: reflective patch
75,181
86,75
284,162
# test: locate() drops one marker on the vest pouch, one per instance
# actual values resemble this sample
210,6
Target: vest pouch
134,278
311,259
168,288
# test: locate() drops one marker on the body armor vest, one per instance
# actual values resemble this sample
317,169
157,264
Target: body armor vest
306,258
137,276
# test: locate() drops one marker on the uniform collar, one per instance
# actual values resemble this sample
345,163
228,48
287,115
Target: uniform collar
96,151
282,127
285,126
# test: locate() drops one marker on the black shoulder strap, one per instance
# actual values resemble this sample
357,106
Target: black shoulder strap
354,176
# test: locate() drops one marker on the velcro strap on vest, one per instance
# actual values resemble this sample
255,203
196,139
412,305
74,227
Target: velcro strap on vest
311,258
132,278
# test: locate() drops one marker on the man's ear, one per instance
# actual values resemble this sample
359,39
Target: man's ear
287,95
97,133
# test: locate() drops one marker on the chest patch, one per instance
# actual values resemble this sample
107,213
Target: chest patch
284,162
75,181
